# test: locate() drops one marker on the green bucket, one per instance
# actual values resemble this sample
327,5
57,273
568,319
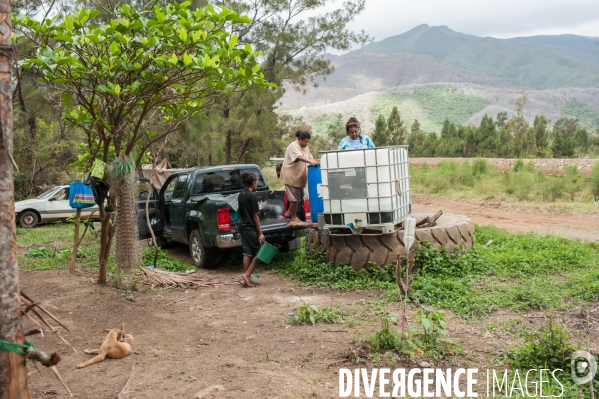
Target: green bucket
267,252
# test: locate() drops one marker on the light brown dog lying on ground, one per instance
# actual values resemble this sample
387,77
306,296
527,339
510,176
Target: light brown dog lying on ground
116,345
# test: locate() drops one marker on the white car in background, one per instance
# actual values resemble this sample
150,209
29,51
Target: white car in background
51,206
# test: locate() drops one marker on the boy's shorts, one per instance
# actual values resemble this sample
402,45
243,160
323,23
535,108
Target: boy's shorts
249,242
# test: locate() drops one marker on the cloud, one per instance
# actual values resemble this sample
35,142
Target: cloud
502,19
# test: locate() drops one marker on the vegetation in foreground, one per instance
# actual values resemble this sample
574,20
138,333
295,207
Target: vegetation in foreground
480,180
516,271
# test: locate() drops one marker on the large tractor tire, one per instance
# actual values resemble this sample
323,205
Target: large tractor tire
454,232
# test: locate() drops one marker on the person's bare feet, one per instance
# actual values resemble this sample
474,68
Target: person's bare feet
295,220
247,281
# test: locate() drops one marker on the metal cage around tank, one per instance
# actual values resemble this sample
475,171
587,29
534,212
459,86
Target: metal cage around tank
365,188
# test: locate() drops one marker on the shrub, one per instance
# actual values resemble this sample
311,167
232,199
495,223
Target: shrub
549,348
518,166
385,337
480,167
310,314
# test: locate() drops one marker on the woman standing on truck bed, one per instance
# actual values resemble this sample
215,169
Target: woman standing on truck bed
294,172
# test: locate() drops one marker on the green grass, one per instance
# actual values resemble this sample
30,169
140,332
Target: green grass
518,272
42,240
164,261
431,105
480,180
45,234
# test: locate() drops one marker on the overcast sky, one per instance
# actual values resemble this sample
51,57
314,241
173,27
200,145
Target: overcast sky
495,18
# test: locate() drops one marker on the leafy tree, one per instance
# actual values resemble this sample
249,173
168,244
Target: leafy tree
132,81
559,145
486,137
291,35
43,154
415,128
567,126
429,146
452,143
563,143
541,134
379,135
524,143
416,140
501,119
581,141
397,132
504,143
336,130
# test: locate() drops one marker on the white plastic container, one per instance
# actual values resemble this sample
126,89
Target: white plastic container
375,181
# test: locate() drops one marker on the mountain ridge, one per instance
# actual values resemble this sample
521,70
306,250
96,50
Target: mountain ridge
426,64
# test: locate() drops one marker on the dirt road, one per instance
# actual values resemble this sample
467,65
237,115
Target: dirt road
581,226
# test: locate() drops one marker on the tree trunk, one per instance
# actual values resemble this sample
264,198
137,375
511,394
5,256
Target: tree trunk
13,370
76,242
106,234
228,145
244,148
127,255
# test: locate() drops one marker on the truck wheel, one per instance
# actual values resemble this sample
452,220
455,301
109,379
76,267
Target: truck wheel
201,256
361,251
28,219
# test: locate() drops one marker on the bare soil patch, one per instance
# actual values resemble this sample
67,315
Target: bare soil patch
573,225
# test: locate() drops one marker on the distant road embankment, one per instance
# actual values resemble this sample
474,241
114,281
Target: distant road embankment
544,164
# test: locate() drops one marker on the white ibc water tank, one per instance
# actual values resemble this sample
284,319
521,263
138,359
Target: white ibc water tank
375,181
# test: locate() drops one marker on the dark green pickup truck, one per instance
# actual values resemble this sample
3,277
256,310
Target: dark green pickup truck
198,207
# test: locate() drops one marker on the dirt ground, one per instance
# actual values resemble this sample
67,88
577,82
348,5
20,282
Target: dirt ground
573,225
233,342
227,342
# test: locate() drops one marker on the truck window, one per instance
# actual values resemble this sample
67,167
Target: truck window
180,187
223,180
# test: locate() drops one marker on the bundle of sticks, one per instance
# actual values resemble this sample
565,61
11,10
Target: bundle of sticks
164,278
50,361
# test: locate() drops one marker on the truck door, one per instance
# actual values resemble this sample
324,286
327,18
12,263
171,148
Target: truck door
145,189
175,204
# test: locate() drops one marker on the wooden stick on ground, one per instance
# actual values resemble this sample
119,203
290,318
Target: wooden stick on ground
45,311
179,300
125,389
57,374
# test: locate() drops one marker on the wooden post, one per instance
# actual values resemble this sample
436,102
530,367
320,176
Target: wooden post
76,242
13,370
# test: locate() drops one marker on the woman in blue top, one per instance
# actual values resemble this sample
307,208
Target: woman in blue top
354,140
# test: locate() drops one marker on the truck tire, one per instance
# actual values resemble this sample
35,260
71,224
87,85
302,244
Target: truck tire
454,232
28,219
201,256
